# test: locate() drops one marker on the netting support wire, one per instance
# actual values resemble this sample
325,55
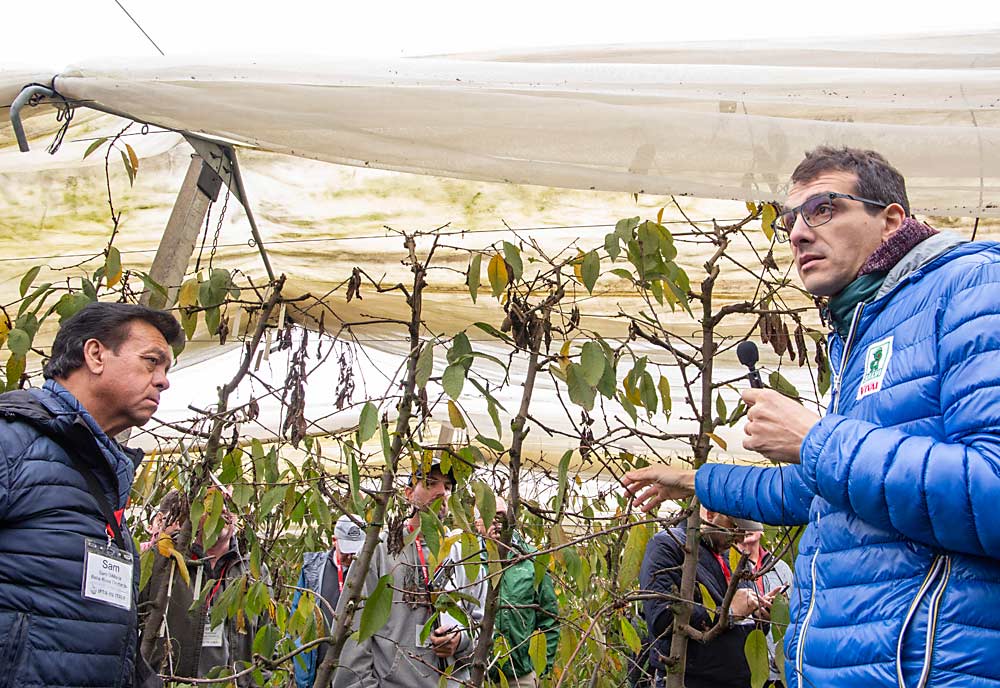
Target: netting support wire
28,95
213,151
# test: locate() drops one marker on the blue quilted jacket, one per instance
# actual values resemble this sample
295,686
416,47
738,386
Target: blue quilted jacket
49,634
898,570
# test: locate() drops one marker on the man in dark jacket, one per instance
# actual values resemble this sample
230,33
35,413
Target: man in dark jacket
720,662
68,587
898,568
524,608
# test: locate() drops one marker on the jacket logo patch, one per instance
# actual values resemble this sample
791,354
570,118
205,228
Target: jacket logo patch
876,364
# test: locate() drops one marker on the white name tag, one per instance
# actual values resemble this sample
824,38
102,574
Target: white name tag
107,574
212,638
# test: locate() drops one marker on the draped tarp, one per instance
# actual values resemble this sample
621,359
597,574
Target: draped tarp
722,120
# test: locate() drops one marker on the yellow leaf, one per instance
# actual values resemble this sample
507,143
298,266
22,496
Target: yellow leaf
4,328
165,545
188,295
767,216
497,272
751,208
706,600
578,265
132,158
659,216
455,416
718,440
182,567
564,355
734,559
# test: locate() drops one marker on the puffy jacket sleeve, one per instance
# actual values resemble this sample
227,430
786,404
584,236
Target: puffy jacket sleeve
942,493
548,619
776,496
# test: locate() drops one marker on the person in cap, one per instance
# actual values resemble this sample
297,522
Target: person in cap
323,574
401,656
720,662
770,572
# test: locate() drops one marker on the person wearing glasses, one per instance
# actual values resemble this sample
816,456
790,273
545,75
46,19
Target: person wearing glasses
897,574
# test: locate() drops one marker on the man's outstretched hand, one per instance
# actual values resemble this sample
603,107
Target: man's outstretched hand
776,425
653,485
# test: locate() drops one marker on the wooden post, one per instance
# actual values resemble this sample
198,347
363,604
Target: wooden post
201,187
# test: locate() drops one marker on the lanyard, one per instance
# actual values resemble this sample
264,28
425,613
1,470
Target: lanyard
418,543
340,571
725,566
218,584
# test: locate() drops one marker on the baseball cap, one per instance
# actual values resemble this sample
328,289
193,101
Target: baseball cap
748,525
350,537
418,474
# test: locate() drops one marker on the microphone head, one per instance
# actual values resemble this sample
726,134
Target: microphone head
747,353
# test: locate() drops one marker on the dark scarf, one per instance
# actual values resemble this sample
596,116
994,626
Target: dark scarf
872,274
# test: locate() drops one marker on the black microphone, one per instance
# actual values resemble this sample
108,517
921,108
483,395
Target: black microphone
747,353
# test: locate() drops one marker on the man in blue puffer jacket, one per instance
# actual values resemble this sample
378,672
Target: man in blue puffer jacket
897,575
67,587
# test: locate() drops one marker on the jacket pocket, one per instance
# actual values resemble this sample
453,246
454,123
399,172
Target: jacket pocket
934,585
14,650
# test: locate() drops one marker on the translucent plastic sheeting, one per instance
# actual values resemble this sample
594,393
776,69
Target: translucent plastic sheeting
725,120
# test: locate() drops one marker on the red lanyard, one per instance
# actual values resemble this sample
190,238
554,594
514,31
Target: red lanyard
423,560
340,571
218,584
118,517
725,567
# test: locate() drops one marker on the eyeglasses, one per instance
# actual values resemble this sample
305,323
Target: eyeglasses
815,211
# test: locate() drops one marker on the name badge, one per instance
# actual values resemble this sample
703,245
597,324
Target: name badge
210,637
107,574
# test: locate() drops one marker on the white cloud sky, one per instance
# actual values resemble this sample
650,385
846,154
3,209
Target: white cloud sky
55,33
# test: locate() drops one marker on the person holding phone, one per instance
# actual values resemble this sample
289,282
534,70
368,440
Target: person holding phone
772,577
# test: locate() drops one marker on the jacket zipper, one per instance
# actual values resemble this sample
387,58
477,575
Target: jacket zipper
805,623
838,376
837,379
15,642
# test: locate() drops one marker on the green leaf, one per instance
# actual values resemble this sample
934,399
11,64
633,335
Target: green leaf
430,528
513,257
28,278
94,146
612,247
630,636
472,278
355,478
580,393
455,416
625,228
212,319
563,483
69,305
635,550
780,618
453,380
19,342
489,329
375,613
15,369
823,378
128,168
664,387
606,385
491,443
271,499
720,407
425,364
367,423
491,408
778,382
591,270
755,649
592,362
536,650
486,501
647,392
386,443
42,292
461,351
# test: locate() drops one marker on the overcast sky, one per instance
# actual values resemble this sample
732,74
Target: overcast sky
55,33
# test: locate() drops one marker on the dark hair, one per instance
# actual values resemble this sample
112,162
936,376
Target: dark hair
877,179
174,507
108,323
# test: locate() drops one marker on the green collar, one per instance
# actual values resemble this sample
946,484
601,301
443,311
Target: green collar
862,289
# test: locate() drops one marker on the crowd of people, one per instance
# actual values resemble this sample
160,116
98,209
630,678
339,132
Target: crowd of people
895,570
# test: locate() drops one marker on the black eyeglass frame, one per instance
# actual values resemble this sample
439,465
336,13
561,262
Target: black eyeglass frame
781,234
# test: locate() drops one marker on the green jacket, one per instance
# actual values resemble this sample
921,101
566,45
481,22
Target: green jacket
523,610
